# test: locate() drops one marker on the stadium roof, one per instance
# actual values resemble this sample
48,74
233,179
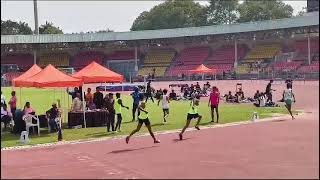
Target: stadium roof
311,19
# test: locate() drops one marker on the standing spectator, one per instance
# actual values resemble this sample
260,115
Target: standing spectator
109,105
214,103
89,98
98,98
118,105
173,95
13,103
268,91
136,99
76,103
148,92
3,98
73,93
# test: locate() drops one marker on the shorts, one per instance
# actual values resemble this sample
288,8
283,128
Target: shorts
288,101
145,121
214,106
192,116
165,111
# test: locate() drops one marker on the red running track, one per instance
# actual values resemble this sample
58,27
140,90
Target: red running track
280,149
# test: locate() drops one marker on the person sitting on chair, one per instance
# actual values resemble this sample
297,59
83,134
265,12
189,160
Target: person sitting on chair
6,116
28,109
52,114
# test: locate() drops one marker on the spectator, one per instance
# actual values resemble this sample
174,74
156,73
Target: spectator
214,103
28,109
89,98
73,94
3,98
268,91
98,98
148,92
5,115
76,103
52,114
136,99
109,105
173,95
13,103
229,97
197,86
256,95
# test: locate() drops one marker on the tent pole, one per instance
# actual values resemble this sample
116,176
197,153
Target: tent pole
20,99
105,87
84,109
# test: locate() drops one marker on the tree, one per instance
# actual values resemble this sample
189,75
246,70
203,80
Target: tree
9,27
104,31
49,28
302,12
252,10
171,14
222,12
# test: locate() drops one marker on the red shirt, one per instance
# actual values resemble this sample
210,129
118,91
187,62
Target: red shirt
13,102
214,98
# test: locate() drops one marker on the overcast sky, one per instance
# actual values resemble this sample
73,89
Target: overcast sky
77,16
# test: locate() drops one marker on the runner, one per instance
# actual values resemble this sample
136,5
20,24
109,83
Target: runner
143,118
118,108
192,114
214,102
165,105
288,98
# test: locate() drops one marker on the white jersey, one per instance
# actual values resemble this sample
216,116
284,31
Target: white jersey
165,103
288,95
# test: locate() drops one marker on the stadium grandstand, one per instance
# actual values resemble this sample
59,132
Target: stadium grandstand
264,49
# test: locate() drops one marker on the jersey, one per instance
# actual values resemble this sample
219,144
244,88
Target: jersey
117,106
193,109
165,103
288,95
143,115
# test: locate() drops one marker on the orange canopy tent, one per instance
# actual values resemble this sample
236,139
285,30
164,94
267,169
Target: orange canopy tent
22,80
202,69
52,77
95,73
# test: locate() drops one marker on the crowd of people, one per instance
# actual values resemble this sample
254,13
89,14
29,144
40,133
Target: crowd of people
114,106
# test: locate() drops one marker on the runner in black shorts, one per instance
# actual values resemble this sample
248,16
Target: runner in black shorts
143,119
192,114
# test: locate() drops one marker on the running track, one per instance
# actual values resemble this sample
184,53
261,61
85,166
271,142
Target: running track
275,149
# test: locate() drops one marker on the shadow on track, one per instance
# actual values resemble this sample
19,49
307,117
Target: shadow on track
129,150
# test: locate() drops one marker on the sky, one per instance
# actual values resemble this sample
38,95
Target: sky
77,16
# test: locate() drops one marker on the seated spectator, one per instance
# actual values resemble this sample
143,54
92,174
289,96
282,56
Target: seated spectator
172,95
256,95
28,109
76,103
6,116
52,114
3,98
229,97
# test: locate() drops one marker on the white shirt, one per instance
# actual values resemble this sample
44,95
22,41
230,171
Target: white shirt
262,101
288,95
3,113
165,103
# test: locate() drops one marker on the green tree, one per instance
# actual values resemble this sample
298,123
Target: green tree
171,14
252,10
104,31
49,28
302,12
222,12
9,27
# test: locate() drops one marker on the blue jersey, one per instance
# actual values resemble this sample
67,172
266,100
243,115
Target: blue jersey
136,97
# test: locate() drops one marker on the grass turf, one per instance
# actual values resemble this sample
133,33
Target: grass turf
41,100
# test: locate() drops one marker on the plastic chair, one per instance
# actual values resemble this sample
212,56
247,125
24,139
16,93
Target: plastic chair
28,119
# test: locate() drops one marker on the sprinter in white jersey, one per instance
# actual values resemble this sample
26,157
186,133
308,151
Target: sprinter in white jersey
165,105
289,98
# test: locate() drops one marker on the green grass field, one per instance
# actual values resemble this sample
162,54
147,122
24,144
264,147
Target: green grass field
41,100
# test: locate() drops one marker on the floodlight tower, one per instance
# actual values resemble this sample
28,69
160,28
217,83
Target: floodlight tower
36,27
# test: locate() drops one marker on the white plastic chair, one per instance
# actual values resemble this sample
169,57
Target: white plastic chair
28,119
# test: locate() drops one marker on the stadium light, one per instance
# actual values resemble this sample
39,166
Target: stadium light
35,10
